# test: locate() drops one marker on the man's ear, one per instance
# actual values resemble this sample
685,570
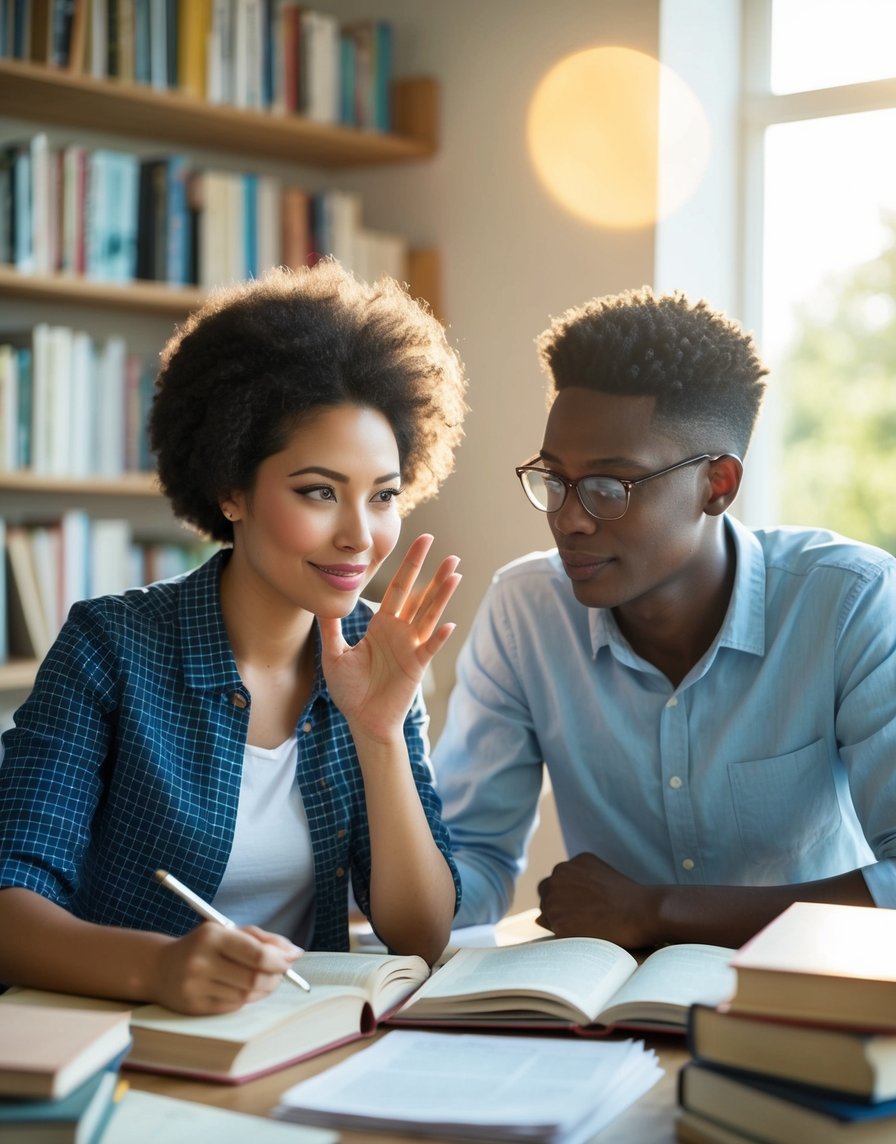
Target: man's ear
725,473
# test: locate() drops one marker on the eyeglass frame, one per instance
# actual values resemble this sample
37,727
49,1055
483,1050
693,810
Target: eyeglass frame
626,483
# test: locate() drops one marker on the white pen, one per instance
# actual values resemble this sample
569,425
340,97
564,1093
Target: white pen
212,915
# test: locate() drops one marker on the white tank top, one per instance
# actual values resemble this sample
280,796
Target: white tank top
269,879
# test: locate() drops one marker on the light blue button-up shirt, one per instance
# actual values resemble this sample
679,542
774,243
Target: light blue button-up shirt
772,762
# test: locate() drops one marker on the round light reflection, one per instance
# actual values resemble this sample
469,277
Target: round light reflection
617,138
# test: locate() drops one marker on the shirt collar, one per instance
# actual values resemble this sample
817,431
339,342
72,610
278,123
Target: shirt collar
743,628
207,655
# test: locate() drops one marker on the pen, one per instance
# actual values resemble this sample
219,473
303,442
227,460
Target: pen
212,915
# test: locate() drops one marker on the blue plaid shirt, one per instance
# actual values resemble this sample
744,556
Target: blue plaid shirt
127,757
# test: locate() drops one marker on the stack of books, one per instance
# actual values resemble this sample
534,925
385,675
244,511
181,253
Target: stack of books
806,1047
59,1072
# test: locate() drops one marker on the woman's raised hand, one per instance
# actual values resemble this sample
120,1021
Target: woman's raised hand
373,683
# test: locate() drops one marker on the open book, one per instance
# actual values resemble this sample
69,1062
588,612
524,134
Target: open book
350,994
584,984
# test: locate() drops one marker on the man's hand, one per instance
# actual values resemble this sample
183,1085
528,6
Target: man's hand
585,897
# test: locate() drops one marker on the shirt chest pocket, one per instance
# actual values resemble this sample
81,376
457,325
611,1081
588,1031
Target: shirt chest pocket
786,804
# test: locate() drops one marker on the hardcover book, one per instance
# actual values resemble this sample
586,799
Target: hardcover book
820,962
846,1060
351,993
776,1113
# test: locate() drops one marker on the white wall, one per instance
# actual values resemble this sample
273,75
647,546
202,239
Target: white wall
512,258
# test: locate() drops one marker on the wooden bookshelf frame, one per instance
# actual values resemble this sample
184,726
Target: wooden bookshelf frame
127,485
66,289
43,94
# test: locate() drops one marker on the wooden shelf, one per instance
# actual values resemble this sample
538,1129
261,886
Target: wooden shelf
128,485
48,95
146,297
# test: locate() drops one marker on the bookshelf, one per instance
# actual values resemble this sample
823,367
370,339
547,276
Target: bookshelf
54,99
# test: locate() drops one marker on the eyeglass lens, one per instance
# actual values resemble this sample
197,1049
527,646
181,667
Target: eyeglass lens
603,497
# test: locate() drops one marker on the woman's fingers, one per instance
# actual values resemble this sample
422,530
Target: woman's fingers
402,583
433,604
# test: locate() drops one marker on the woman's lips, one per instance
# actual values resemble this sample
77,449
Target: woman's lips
344,577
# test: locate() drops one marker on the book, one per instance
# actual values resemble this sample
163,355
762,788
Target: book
29,630
47,1052
692,1128
583,985
146,1118
351,994
821,962
4,604
79,1118
469,1086
775,1112
846,1060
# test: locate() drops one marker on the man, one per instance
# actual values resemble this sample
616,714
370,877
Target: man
715,705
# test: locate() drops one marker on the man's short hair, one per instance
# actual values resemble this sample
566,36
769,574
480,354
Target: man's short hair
701,367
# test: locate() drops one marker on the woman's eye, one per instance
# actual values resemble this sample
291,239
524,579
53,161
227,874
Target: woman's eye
318,492
385,496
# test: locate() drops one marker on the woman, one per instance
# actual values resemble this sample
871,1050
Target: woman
252,727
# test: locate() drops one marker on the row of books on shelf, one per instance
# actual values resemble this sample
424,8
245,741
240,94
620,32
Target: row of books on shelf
111,216
73,407
276,55
805,1049
49,566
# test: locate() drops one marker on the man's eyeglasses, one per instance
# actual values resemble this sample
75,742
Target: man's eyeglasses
605,498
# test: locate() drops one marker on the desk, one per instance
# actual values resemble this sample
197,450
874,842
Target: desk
650,1121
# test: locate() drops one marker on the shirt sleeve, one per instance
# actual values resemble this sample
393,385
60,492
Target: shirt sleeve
866,722
51,777
488,765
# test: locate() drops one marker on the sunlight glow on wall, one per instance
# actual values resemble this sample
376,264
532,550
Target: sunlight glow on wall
616,138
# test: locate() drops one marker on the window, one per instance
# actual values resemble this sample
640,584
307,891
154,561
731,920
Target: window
820,257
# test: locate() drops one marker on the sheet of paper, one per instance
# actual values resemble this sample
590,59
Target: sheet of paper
146,1118
507,1087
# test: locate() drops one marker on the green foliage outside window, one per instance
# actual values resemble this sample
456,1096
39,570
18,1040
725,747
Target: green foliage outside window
839,424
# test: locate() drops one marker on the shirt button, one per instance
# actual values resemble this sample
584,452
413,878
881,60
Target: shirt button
340,834
688,864
239,700
322,783
306,727
675,782
673,702
340,872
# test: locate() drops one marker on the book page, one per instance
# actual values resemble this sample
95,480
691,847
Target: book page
286,1003
568,978
669,981
386,979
